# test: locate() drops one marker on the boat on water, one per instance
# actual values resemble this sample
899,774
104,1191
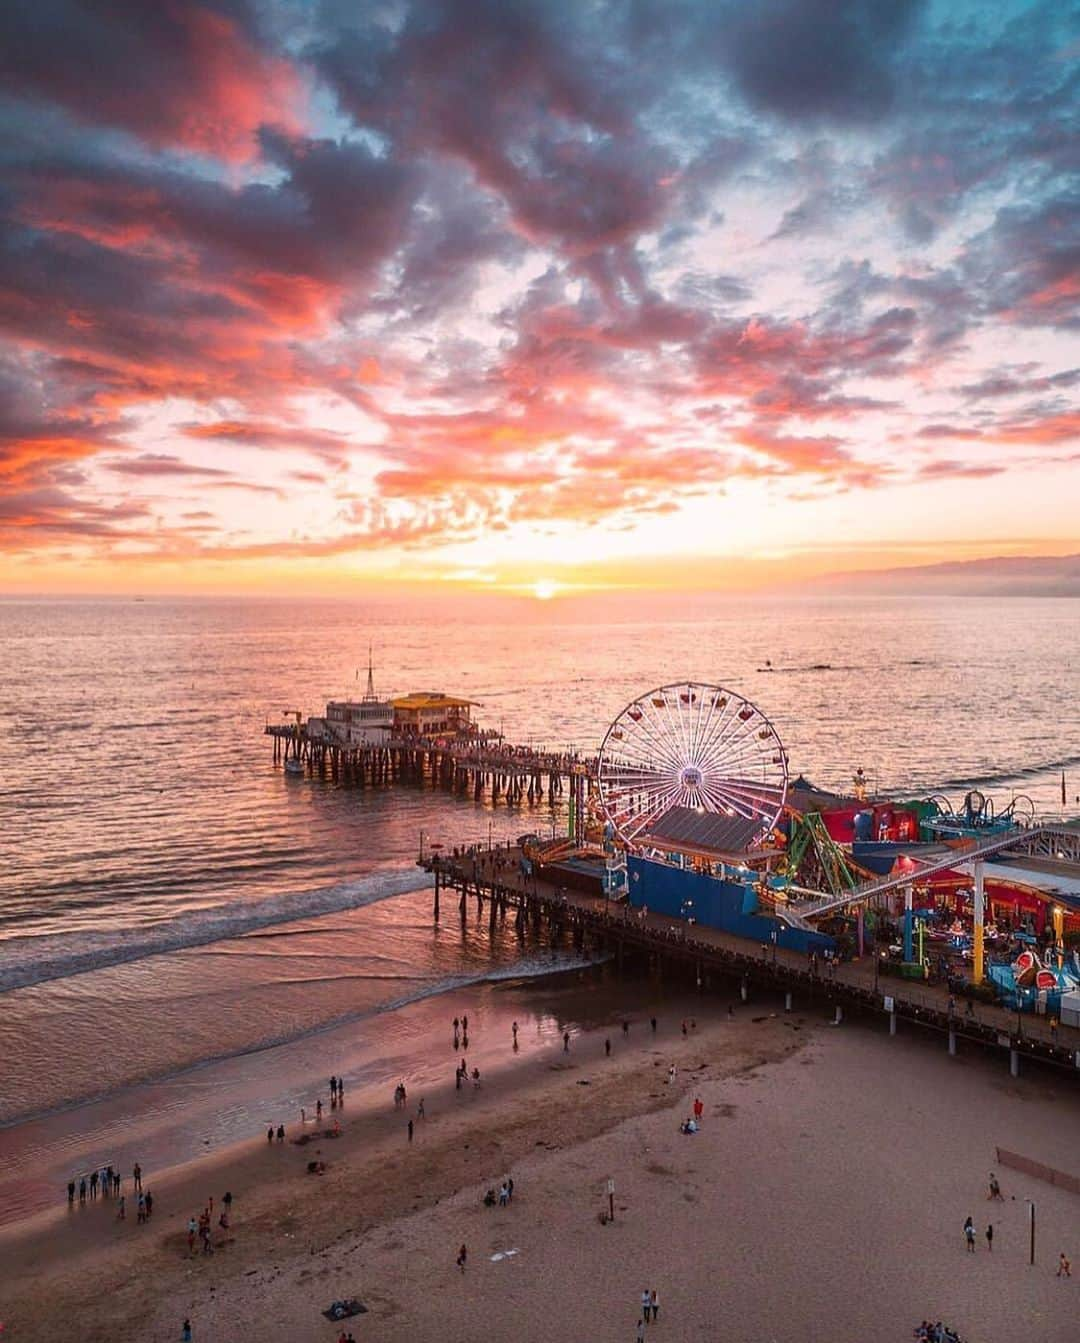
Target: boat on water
294,767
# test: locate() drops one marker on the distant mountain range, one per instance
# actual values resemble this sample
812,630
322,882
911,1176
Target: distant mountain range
1003,576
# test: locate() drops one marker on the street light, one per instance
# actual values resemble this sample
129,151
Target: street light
1031,1222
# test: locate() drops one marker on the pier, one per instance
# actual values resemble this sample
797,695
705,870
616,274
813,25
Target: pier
499,882
472,766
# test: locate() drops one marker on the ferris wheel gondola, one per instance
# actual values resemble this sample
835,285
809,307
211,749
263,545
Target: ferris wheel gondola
695,746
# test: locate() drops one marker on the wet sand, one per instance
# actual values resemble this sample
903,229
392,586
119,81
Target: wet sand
823,1198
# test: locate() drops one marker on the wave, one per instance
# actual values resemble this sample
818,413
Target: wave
1009,775
535,967
28,961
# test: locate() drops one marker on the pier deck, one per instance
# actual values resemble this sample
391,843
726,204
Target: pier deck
497,877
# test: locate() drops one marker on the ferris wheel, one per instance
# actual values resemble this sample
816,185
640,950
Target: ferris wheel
693,746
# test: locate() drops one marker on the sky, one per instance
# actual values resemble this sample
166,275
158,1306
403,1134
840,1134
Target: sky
327,296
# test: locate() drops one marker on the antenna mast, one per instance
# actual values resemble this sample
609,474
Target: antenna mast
369,694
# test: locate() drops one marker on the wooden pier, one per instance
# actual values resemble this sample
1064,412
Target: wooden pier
707,956
470,767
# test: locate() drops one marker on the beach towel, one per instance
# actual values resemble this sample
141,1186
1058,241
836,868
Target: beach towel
345,1310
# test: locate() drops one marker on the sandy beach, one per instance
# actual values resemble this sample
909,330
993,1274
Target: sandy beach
851,1195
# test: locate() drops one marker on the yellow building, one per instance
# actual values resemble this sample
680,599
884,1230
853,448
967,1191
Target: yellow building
429,713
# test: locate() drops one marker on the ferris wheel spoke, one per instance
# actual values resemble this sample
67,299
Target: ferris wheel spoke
656,752
657,739
662,803
719,731
729,729
660,739
762,797
724,803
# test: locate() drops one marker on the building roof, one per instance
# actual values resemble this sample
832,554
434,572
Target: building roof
686,827
430,699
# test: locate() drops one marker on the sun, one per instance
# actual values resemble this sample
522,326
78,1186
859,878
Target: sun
544,589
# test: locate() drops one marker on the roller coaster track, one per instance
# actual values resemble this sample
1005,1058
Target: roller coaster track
801,915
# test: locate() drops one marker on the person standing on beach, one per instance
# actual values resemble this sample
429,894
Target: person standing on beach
82,1190
121,1214
566,1042
625,1027
149,1205
990,1236
654,1301
641,1331
1064,1267
607,1048
410,1130
281,1133
462,1256
71,1193
116,1179
136,1175
93,1183
318,1108
333,1088
969,1235
995,1189
420,1110
185,1332
646,1302
270,1134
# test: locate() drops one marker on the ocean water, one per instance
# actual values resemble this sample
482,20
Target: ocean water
168,897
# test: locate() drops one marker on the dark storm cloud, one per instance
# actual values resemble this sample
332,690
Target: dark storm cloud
192,75
819,59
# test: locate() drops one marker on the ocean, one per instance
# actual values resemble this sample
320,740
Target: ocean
186,934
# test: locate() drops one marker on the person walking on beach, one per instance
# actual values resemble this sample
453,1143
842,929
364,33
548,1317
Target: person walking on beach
607,1048
990,1236
341,1091
120,1213
93,1183
82,1190
281,1133
140,1209
333,1089
71,1193
149,1205
270,1134
625,1027
995,1189
566,1042
640,1331
1064,1267
116,1179
652,1023
646,1302
514,1029
318,1108
410,1130
462,1256
136,1175
699,1109
969,1235
185,1332
420,1110
654,1301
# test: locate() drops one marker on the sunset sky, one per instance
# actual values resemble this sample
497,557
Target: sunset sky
302,296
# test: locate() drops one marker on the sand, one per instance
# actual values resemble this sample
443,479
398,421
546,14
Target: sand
823,1199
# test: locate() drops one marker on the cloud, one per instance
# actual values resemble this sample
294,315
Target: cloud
191,75
817,59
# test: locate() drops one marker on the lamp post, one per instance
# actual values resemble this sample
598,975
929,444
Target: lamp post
1031,1223
775,939
421,846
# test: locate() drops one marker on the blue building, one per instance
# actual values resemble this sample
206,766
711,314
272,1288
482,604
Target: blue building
726,903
